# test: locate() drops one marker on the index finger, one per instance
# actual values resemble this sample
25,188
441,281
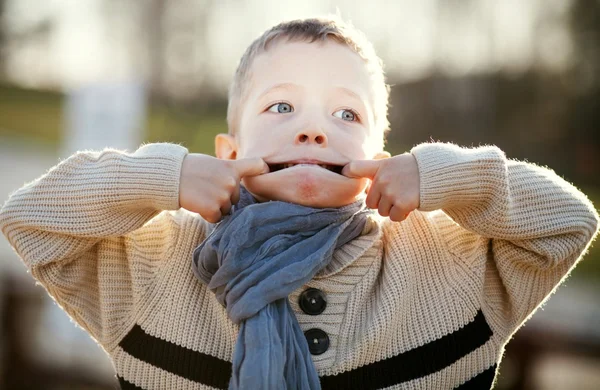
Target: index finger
361,168
250,166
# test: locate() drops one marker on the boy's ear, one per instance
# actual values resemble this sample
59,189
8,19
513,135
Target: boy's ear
226,147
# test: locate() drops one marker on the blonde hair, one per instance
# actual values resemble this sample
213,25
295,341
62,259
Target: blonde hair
312,30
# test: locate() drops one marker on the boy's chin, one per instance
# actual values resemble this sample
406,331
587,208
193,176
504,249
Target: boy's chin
306,189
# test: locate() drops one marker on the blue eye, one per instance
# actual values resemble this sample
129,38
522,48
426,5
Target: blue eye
347,115
282,108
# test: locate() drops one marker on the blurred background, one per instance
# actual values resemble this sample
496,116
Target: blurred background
521,74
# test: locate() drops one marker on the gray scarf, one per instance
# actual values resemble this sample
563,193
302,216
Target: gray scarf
254,258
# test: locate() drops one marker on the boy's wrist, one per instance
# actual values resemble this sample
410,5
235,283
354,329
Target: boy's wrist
161,165
451,176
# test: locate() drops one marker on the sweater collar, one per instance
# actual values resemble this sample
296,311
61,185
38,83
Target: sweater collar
349,252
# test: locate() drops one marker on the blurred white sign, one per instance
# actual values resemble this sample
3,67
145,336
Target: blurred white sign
104,115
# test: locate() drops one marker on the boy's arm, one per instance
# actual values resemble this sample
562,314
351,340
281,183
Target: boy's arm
81,230
533,225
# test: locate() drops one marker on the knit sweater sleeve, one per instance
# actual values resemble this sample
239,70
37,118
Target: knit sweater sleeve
82,230
529,226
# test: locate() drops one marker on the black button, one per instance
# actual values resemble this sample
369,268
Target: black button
318,341
312,301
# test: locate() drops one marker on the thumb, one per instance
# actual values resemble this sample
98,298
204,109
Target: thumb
361,168
250,166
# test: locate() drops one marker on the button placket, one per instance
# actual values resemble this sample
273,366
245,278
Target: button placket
312,301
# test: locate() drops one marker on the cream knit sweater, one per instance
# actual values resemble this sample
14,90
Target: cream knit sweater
428,303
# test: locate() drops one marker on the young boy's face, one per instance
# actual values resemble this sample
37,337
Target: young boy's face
306,104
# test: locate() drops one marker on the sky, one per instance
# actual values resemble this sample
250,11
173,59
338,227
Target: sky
95,40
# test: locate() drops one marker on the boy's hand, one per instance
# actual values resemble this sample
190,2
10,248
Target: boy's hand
394,189
209,186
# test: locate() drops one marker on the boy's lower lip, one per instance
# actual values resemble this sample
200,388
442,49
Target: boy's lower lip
278,167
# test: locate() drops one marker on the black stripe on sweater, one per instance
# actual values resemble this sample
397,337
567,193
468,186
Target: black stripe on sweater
178,360
480,381
416,363
126,385
413,364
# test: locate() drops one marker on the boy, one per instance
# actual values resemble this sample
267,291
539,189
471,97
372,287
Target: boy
424,299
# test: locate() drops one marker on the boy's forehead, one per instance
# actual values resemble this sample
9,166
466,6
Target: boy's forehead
325,64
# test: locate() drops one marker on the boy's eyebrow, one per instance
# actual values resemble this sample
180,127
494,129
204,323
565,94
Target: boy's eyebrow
288,86
281,86
350,93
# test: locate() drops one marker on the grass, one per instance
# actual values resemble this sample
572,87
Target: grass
195,131
31,115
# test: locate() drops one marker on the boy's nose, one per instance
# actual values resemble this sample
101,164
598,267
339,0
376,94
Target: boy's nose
313,136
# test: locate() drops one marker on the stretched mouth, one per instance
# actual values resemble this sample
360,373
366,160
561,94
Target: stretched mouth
274,167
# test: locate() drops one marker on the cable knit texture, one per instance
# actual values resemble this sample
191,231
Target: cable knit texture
428,303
